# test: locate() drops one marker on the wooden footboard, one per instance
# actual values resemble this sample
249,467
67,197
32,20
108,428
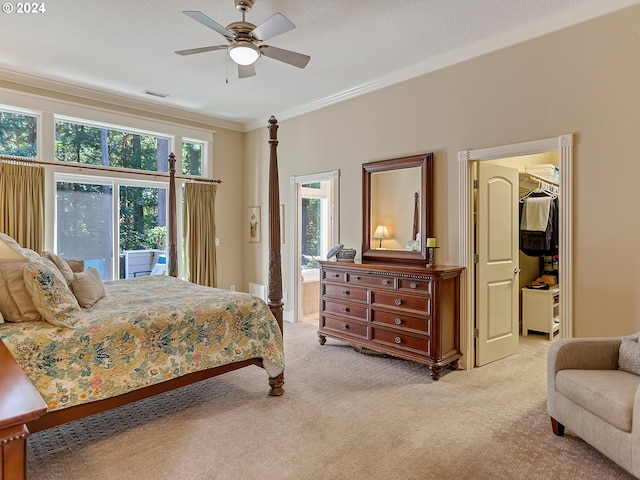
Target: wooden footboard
20,403
65,415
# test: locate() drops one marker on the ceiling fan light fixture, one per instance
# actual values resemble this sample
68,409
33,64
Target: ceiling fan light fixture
243,52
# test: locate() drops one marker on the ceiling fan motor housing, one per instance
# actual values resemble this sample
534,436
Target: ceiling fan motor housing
242,29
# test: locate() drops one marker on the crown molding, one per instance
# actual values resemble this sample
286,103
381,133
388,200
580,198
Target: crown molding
48,87
550,24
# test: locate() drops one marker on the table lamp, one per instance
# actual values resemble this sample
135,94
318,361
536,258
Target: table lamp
381,232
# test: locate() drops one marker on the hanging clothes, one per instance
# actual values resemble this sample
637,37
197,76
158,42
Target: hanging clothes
538,242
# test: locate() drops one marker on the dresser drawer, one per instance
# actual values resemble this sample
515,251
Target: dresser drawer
348,309
372,280
422,286
346,292
401,321
344,327
406,302
334,276
402,341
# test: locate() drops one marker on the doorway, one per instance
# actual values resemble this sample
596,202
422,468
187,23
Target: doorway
468,159
316,230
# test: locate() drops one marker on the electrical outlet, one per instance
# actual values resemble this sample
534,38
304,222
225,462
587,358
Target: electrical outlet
232,288
217,242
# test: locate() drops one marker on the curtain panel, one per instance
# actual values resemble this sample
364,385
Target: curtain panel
200,233
22,203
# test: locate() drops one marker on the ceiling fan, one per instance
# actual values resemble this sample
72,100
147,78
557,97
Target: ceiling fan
245,40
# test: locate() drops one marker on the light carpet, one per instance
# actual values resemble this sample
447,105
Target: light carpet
344,415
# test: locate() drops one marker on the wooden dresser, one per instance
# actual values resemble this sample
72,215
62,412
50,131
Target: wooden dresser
406,311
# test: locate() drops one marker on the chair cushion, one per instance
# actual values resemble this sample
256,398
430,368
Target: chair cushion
609,394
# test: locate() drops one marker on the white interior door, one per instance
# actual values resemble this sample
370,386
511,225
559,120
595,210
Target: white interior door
497,246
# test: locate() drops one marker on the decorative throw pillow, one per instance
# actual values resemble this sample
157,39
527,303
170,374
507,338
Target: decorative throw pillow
629,356
87,287
63,266
76,266
15,302
50,293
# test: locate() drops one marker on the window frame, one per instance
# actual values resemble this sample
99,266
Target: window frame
48,109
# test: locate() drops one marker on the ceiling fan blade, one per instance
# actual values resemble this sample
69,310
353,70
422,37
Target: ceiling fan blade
292,58
271,27
245,71
207,22
191,51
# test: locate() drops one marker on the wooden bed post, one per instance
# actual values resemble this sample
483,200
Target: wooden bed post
172,233
275,266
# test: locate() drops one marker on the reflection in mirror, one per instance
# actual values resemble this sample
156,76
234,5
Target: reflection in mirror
392,206
397,208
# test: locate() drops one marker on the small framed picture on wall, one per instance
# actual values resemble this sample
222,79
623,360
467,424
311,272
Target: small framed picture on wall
255,224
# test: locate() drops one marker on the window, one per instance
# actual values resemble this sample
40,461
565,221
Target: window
18,133
86,222
116,203
192,157
77,142
315,224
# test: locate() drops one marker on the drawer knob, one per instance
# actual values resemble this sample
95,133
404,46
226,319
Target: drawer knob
344,309
398,321
356,277
398,340
345,292
344,326
385,282
413,285
398,301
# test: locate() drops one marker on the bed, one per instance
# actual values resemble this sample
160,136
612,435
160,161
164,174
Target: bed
146,336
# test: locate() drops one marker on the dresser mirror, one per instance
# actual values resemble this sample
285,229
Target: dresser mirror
397,200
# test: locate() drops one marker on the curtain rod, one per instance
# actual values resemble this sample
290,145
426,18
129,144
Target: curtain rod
88,166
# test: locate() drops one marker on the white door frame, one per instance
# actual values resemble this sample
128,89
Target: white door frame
564,146
295,271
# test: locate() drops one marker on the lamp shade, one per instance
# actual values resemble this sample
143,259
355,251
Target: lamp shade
9,254
381,231
243,52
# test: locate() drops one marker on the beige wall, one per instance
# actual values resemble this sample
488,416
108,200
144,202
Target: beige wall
582,80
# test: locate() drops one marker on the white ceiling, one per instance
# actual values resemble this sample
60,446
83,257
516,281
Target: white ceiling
125,47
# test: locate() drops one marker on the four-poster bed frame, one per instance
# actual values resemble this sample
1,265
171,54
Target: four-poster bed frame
22,409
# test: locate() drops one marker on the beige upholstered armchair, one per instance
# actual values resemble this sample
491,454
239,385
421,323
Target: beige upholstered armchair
592,391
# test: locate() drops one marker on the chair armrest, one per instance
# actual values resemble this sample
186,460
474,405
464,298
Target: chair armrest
581,354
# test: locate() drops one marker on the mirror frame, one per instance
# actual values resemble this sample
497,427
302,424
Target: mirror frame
425,161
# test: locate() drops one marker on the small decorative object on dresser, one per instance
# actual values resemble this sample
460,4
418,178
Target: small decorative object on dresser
342,254
407,311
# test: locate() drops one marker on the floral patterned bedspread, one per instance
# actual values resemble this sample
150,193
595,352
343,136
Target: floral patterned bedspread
144,331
